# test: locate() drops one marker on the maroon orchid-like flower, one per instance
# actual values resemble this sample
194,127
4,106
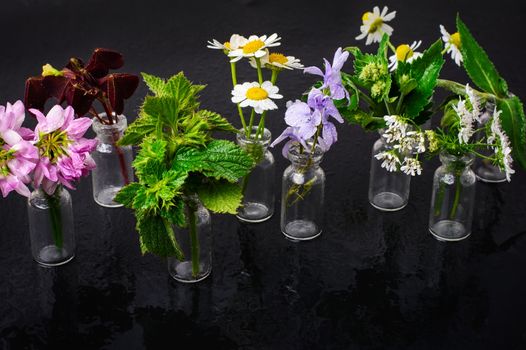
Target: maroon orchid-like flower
79,85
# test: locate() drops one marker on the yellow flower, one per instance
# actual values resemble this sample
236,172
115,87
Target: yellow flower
404,53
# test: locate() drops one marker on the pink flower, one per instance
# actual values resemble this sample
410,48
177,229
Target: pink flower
64,152
18,157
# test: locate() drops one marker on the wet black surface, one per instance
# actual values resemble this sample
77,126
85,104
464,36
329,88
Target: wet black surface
371,281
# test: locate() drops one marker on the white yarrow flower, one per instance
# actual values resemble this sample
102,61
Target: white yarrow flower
452,42
256,96
390,161
374,25
404,53
411,166
254,46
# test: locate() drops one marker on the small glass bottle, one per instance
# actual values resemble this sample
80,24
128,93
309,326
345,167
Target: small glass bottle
302,197
114,169
388,191
51,227
258,186
195,241
453,198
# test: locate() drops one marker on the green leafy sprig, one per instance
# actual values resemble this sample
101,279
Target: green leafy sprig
178,158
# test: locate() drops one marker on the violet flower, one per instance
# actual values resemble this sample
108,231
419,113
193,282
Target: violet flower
64,152
331,77
325,106
18,156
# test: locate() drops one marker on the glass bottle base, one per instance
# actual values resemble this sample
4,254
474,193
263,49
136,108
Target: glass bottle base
388,201
182,272
301,230
252,212
449,231
490,174
51,255
105,198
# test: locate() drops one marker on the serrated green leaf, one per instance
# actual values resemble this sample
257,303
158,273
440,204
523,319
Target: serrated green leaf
478,65
127,194
425,70
176,214
156,237
220,196
155,84
150,162
215,121
514,124
220,159
137,131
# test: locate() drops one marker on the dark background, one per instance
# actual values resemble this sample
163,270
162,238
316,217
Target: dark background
372,281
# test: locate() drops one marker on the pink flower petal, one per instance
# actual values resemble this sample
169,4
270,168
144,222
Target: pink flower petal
78,127
11,137
55,119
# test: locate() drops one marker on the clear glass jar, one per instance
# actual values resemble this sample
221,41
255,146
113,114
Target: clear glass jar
51,227
302,196
487,172
453,198
114,169
388,191
195,242
258,186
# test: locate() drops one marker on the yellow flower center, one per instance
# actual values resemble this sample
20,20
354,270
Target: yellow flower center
227,45
404,52
377,23
277,57
365,16
253,46
257,93
5,156
455,39
53,145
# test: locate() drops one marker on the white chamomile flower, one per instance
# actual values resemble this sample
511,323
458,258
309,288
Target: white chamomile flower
453,43
502,145
254,46
466,120
389,160
374,25
277,60
404,53
257,96
232,44
411,166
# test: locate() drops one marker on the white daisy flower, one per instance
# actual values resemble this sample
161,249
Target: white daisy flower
374,25
453,43
232,44
278,60
404,53
502,145
390,160
256,96
254,46
411,166
466,122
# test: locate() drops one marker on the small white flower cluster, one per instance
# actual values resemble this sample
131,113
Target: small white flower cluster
406,142
501,144
468,117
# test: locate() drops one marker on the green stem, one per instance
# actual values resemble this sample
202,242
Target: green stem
388,107
234,83
260,73
274,76
460,89
171,234
439,198
250,123
391,46
194,241
56,218
261,126
399,105
458,189
366,98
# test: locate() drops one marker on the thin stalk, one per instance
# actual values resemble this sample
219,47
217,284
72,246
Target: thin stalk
261,126
274,76
194,241
260,73
439,198
366,98
56,218
120,154
391,46
234,83
250,123
460,89
399,105
171,234
458,189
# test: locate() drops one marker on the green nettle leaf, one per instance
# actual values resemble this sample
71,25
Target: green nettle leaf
150,162
155,238
155,84
220,196
425,70
137,131
220,159
215,121
176,214
478,65
127,194
514,122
